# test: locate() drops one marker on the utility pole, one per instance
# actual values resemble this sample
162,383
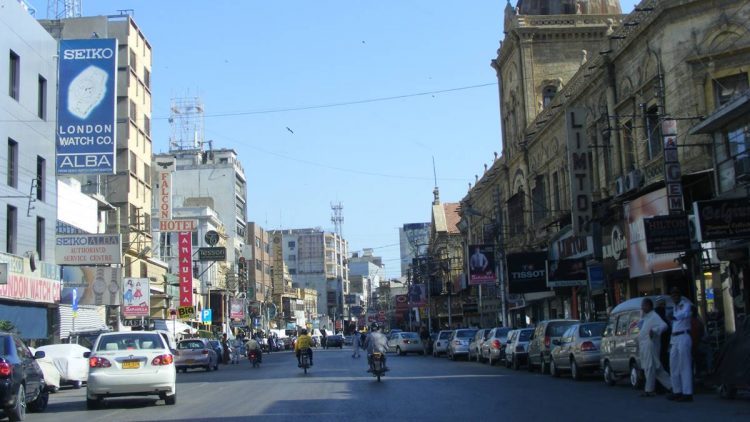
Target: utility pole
337,218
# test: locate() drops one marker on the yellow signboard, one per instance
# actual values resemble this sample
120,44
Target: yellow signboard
186,312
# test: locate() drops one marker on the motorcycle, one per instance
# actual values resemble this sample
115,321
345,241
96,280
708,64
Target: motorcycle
305,360
378,365
253,357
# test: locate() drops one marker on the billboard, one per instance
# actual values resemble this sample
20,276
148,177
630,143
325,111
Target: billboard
527,272
417,295
579,166
92,285
88,249
640,261
136,298
723,219
86,123
482,264
185,274
236,309
567,273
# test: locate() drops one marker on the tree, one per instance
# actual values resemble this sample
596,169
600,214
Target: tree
7,326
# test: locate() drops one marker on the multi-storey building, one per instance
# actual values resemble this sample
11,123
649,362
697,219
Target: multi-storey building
365,271
414,239
259,265
130,189
661,67
28,188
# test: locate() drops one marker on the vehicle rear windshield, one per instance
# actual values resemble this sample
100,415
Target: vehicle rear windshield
3,343
592,330
184,345
525,335
466,333
445,335
409,335
557,329
130,342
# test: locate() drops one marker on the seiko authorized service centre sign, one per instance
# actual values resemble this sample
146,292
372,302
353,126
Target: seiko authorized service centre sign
88,249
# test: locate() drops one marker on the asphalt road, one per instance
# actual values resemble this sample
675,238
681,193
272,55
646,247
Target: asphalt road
417,389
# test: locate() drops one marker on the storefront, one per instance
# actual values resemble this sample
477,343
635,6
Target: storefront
29,297
527,287
568,259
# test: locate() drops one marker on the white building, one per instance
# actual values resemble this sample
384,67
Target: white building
27,165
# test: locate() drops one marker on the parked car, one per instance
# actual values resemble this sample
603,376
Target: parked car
458,344
405,342
218,349
349,340
619,345
50,372
517,350
541,342
440,344
335,340
195,353
475,344
22,384
69,361
578,350
493,349
137,363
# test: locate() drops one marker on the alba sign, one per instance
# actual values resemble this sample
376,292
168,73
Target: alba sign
88,249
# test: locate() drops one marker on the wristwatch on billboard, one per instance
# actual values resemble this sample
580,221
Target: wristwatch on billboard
114,288
99,286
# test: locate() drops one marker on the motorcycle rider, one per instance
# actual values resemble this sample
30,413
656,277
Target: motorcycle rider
303,343
376,342
253,345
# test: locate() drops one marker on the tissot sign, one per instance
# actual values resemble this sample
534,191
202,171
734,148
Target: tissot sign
527,272
86,125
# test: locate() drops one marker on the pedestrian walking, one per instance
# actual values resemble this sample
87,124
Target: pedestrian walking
649,342
225,358
424,336
680,352
323,338
355,345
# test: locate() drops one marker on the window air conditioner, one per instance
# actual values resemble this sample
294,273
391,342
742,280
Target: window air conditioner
633,180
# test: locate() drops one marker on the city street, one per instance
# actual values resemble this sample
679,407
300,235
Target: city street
417,388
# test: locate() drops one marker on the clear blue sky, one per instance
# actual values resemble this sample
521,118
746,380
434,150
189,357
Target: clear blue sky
375,157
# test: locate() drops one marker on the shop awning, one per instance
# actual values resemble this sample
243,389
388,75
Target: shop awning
88,318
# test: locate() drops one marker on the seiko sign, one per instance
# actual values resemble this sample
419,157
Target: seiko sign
88,54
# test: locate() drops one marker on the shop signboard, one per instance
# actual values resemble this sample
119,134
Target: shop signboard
640,261
567,273
88,249
86,124
615,246
25,285
402,302
136,297
417,295
236,309
596,277
672,171
723,219
527,272
186,312
667,233
482,264
185,273
216,253
165,189
579,166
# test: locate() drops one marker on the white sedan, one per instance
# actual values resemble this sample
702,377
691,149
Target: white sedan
69,361
405,342
130,364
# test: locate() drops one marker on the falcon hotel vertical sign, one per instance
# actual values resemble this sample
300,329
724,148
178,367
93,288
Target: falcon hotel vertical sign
185,242
86,124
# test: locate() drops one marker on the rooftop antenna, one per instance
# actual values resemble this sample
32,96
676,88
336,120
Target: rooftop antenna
337,217
186,117
63,9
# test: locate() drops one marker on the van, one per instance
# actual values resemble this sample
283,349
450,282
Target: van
540,343
620,341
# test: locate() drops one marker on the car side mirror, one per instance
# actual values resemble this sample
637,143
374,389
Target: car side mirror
39,355
87,354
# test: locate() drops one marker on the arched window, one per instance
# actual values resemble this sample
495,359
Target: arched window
548,93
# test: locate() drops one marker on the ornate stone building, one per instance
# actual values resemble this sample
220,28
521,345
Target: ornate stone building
622,76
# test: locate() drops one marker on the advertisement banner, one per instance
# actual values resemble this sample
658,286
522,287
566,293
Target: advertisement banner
88,249
165,195
567,273
216,253
672,171
417,295
723,219
482,264
185,274
579,167
667,233
236,309
527,272
640,261
94,285
86,124
402,302
136,298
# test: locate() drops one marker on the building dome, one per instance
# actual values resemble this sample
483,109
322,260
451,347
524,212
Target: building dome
569,7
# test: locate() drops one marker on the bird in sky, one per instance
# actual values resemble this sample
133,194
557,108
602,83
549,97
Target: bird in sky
290,131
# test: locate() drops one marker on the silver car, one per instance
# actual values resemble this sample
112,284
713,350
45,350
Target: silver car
458,344
578,350
517,350
405,342
440,346
476,343
541,341
493,349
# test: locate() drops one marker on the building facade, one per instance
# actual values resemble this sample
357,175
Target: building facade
584,160
413,241
28,188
